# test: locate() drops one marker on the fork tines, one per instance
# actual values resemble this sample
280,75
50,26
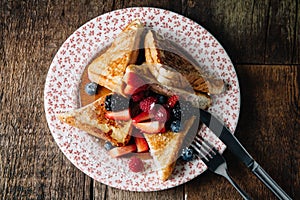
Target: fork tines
203,148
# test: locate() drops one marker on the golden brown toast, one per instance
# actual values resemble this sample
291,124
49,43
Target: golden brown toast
198,99
108,69
91,118
165,148
161,51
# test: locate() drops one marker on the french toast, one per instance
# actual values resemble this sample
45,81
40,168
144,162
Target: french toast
162,51
198,99
165,149
108,69
92,119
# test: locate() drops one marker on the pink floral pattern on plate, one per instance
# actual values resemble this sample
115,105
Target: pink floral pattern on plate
63,79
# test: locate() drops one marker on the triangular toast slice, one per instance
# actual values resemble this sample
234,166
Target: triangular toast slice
162,51
108,69
143,72
165,148
91,118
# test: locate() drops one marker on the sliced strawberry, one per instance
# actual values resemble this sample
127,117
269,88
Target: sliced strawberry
136,164
121,151
143,116
133,79
119,115
150,127
141,144
130,89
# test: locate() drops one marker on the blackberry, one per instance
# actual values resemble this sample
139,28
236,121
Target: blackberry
115,102
176,112
186,110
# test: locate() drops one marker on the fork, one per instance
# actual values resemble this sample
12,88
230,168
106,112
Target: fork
214,161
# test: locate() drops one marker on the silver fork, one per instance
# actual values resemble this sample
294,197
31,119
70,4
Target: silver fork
214,161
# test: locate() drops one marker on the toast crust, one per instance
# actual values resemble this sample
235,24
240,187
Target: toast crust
165,148
161,51
108,69
91,118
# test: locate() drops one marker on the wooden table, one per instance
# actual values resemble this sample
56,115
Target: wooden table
261,37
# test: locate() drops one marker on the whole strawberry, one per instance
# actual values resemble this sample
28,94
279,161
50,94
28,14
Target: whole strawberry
136,164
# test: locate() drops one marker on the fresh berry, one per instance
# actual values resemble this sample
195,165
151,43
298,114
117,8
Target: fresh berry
138,96
172,101
161,99
134,83
143,116
187,154
91,88
147,104
186,109
175,126
150,127
141,143
160,113
176,112
115,102
121,151
136,164
108,146
119,115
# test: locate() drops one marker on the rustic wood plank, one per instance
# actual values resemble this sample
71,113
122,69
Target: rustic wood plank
275,130
32,166
281,32
269,129
175,6
251,31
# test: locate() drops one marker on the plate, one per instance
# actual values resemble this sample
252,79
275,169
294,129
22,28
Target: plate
62,94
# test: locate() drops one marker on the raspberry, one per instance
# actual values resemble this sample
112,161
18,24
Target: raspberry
172,100
161,114
136,164
137,96
147,104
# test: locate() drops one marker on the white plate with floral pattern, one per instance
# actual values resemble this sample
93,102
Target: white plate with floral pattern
62,92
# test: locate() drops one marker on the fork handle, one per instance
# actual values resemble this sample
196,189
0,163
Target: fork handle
269,182
236,186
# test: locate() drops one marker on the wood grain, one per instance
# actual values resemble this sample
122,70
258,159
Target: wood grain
31,32
252,31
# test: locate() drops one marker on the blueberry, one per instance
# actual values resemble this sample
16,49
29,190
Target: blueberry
91,88
187,154
108,146
175,126
161,99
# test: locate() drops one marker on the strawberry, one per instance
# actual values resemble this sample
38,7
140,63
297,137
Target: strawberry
130,90
160,113
134,83
147,104
136,164
143,116
133,79
172,101
141,143
150,127
121,151
119,115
